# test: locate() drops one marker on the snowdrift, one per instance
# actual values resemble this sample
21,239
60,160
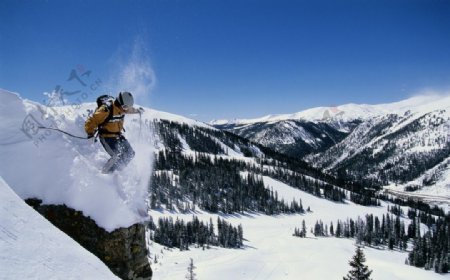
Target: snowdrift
31,246
59,169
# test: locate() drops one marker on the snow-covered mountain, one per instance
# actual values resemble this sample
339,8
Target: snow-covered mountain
404,143
395,149
294,137
349,112
32,248
197,170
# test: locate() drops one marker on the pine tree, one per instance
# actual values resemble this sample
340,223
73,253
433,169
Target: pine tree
359,270
191,274
303,232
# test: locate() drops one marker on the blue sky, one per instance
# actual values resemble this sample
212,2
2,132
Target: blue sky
231,59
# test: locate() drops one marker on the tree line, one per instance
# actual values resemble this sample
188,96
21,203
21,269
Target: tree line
289,170
181,234
429,250
215,185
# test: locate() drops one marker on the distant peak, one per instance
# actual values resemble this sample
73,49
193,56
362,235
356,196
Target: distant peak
416,104
219,122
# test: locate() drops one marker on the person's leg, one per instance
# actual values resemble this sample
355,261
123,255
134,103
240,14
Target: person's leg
111,146
126,153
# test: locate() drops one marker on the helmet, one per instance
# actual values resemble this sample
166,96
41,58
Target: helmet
125,99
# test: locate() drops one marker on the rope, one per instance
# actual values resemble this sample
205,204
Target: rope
62,131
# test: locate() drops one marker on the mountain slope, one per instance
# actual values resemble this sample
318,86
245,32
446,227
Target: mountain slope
403,143
392,149
59,169
31,246
349,112
272,252
293,137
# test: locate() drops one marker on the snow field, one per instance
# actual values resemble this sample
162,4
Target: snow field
271,252
32,248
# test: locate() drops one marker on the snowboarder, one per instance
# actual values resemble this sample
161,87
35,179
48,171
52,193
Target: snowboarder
108,120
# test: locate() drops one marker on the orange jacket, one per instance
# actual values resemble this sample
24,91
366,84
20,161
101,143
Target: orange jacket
113,127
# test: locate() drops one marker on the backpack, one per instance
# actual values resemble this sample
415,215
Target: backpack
107,100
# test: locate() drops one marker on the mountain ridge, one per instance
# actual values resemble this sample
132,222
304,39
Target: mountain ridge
391,140
352,111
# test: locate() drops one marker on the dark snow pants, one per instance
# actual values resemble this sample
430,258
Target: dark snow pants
120,151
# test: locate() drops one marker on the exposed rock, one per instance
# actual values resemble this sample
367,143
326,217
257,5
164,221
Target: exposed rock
123,250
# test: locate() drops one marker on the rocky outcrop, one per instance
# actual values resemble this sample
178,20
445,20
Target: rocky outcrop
123,250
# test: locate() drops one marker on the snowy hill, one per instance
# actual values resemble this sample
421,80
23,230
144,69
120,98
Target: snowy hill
294,137
350,112
59,169
31,247
410,150
317,129
404,143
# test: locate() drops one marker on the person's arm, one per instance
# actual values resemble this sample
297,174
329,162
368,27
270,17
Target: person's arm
133,110
95,120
